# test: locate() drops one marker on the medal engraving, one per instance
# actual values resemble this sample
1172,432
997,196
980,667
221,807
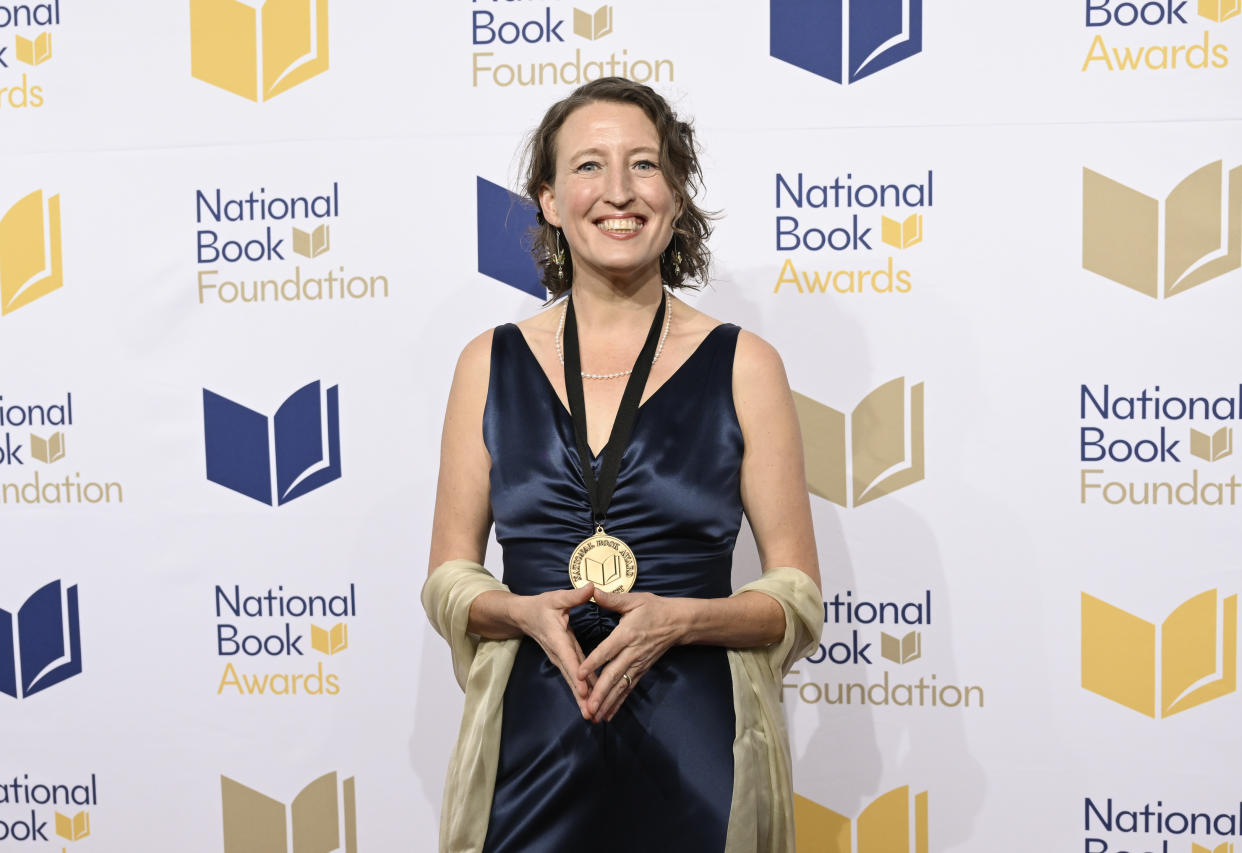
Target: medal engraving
605,561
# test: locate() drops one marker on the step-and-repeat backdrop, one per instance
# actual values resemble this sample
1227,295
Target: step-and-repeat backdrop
998,246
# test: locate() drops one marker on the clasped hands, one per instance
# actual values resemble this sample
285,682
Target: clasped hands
601,681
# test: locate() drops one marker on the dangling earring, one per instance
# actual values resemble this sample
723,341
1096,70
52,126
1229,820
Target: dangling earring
559,257
676,258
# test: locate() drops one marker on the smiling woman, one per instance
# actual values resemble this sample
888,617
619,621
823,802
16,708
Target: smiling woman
619,694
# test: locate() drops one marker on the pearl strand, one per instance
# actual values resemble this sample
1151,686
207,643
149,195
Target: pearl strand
560,353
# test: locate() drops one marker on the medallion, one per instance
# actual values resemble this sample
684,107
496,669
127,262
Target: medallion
605,561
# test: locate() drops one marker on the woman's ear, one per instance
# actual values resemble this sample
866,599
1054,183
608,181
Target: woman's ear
547,205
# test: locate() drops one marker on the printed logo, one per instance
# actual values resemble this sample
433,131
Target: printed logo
891,824
851,629
313,821
1195,651
505,221
303,438
1121,237
30,251
837,220
46,811
20,444
593,26
31,48
508,32
247,235
254,628
874,452
73,828
1211,448
42,645
1128,432
1157,827
845,40
258,50
1129,25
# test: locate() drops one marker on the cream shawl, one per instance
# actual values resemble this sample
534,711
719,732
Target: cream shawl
761,812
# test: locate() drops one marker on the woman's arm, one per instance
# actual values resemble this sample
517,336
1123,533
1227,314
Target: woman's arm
776,502
463,518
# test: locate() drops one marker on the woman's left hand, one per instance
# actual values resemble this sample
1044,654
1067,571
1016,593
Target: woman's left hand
648,628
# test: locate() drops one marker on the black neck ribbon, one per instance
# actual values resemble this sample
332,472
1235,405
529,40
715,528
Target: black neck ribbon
600,491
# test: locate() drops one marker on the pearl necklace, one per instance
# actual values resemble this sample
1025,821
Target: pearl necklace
560,353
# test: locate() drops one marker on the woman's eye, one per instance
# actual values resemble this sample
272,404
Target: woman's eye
589,166
646,166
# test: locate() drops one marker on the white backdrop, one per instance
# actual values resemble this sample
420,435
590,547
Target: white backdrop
990,551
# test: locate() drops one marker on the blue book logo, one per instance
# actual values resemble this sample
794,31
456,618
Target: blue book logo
845,41
505,222
47,645
306,444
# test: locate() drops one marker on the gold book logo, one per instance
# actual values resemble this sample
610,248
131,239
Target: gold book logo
1121,231
255,823
258,48
73,828
311,244
901,649
593,26
34,51
902,235
888,825
1212,447
1223,847
30,253
879,449
1197,658
48,450
605,571
1219,11
329,641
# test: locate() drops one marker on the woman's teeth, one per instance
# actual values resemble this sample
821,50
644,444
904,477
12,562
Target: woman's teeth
620,225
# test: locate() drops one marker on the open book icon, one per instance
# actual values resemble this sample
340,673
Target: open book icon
889,825
48,450
901,649
1197,654
1223,847
593,26
73,828
1121,231
902,234
254,822
1212,447
30,253
605,571
34,51
304,436
311,244
258,48
1219,11
814,35
47,646
329,641
878,449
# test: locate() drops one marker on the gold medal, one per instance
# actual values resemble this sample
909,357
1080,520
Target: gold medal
605,561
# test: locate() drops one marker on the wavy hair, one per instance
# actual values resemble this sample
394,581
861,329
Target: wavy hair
679,165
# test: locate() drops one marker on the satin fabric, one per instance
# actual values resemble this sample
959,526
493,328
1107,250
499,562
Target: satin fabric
660,774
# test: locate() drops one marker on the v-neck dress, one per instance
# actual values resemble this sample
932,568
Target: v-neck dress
659,776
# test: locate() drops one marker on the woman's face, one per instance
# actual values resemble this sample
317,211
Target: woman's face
608,195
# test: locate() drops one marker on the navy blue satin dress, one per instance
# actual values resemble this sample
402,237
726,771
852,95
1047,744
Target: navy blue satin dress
659,776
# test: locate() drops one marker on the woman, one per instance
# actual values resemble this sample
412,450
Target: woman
599,719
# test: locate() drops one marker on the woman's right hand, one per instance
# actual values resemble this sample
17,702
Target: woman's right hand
545,619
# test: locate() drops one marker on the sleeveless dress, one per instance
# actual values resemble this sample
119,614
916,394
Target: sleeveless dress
659,776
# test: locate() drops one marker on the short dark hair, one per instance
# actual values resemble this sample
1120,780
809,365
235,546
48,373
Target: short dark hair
679,164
